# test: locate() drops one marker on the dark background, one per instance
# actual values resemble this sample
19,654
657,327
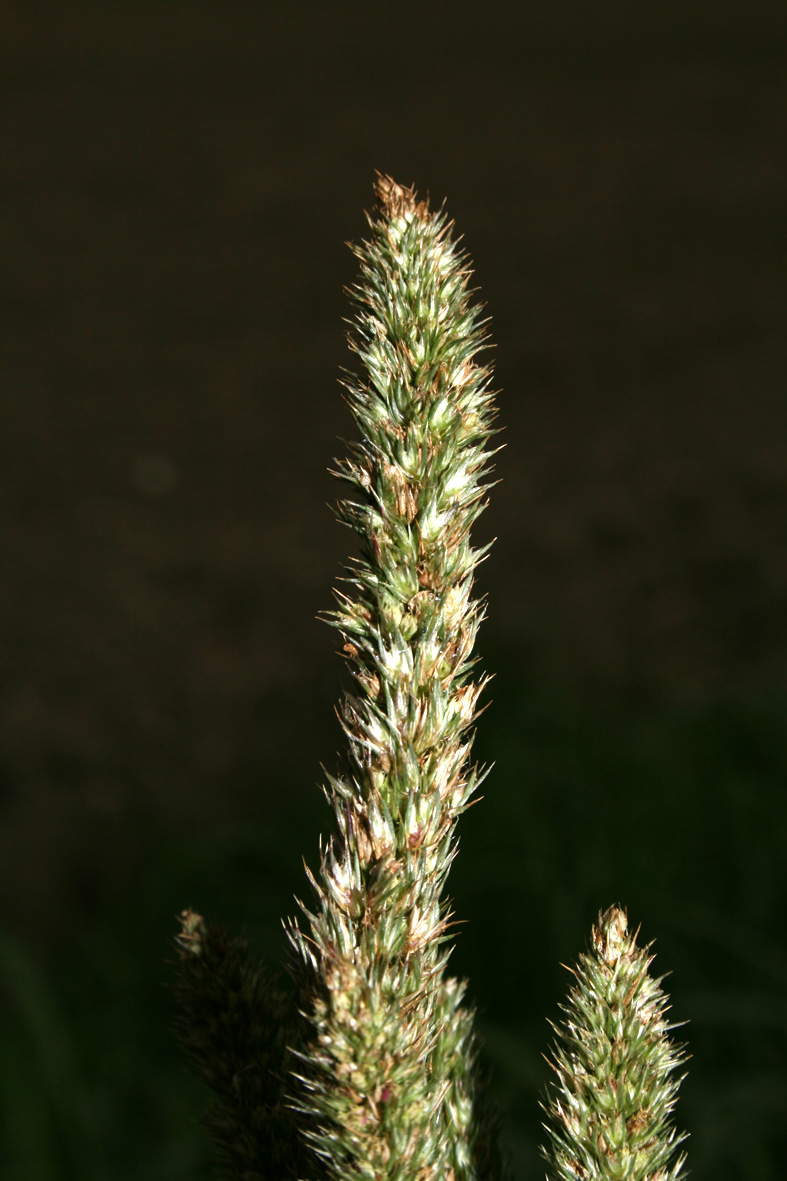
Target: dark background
178,183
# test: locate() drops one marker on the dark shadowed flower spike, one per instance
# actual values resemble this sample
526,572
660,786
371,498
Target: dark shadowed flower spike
609,1111
387,1076
236,1021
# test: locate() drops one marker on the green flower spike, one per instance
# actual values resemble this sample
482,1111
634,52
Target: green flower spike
386,1081
609,1112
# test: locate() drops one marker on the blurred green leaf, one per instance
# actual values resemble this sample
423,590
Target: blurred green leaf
47,1122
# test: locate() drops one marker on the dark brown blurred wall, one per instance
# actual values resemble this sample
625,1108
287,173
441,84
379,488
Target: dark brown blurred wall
178,184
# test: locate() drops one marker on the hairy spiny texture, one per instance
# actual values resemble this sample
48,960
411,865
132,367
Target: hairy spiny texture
387,1081
609,1112
235,1022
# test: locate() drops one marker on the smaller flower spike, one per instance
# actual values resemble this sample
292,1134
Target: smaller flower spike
609,1112
386,1085
236,1020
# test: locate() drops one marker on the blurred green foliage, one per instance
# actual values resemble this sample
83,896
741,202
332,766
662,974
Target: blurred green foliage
678,813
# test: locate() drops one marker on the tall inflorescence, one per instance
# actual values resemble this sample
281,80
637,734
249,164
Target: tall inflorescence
386,1082
609,1112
